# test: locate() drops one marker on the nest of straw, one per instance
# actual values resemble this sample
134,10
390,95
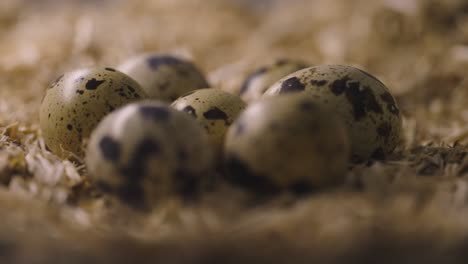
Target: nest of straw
408,209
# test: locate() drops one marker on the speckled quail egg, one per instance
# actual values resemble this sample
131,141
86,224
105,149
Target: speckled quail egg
76,102
286,143
164,77
147,151
364,103
261,79
214,109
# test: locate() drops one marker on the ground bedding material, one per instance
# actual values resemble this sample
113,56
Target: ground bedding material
411,208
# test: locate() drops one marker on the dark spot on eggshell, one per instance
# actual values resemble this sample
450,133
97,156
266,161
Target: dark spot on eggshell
122,94
190,110
354,85
239,173
337,87
362,100
110,69
384,130
378,154
155,113
110,148
130,88
250,78
80,91
159,60
312,70
136,167
290,85
93,84
69,127
319,83
391,104
215,113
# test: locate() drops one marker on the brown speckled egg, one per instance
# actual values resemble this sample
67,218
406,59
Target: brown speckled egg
364,103
164,77
76,102
286,143
260,80
214,109
146,152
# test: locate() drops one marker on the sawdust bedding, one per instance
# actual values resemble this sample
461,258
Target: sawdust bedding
412,207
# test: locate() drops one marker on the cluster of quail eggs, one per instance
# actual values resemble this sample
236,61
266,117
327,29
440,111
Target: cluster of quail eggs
152,128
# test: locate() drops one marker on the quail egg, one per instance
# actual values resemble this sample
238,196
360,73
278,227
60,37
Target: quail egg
76,102
147,151
164,77
260,80
214,109
286,143
364,103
